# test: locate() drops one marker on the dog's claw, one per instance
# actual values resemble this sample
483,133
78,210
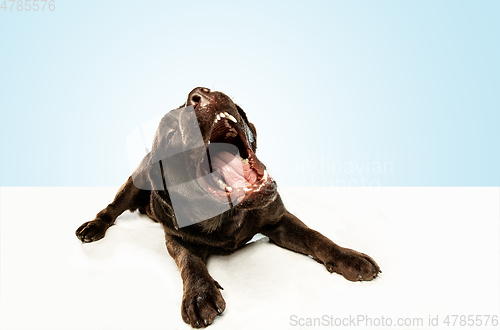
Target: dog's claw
218,285
329,268
219,311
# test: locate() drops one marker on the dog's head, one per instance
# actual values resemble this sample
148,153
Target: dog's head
206,152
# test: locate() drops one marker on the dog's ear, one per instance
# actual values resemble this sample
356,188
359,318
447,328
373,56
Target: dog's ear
253,131
148,175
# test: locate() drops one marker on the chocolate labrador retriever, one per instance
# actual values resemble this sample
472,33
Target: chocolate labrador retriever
205,185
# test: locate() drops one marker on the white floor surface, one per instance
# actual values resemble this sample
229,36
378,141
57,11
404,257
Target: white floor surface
439,250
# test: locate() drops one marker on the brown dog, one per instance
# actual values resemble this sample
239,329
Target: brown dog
230,198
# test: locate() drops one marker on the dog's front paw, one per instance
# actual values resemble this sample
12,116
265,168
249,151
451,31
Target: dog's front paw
92,230
353,265
201,303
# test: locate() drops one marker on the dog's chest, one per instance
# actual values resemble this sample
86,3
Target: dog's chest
229,236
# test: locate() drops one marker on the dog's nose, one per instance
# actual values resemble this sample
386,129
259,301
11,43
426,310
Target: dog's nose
198,97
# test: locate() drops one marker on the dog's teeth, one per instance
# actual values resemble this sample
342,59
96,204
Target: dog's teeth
245,161
221,184
218,118
265,175
229,189
246,189
230,117
222,115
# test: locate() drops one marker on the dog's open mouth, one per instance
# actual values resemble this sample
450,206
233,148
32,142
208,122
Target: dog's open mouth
235,171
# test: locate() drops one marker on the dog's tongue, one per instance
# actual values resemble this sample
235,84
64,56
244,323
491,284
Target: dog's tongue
235,172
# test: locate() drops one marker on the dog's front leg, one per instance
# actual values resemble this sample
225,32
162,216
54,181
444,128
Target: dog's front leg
202,300
291,233
128,197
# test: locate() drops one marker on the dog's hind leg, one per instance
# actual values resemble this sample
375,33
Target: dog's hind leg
129,197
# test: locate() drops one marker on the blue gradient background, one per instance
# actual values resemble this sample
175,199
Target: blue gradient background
329,84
